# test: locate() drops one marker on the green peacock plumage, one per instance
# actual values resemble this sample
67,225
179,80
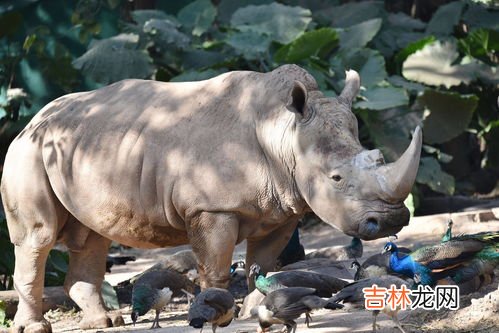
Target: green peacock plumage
461,258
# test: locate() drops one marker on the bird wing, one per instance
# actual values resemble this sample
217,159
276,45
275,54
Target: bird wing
220,299
446,254
160,279
325,285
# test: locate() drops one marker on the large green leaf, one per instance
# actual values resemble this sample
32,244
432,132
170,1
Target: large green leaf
445,18
413,47
481,17
144,15
430,173
250,44
380,98
197,75
370,65
357,36
227,7
113,59
448,114
311,43
399,81
282,23
397,32
390,130
481,44
165,35
433,65
198,16
352,13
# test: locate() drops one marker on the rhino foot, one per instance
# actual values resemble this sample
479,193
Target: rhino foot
42,326
117,319
95,322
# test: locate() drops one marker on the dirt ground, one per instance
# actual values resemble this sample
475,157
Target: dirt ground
479,312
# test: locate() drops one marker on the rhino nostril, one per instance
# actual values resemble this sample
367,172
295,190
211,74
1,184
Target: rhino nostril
372,224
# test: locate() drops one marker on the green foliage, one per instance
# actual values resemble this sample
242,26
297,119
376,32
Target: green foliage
448,114
440,73
114,59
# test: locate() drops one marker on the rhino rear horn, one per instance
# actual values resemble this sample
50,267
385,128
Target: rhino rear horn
352,86
396,179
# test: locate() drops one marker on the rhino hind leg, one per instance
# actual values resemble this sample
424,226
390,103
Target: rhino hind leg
264,251
83,282
34,216
213,237
29,276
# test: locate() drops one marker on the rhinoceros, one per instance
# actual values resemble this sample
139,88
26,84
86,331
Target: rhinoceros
241,156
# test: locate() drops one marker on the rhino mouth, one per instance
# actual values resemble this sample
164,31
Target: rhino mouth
383,224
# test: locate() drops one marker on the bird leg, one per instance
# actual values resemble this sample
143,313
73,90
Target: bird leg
397,323
155,323
375,315
308,319
189,296
214,328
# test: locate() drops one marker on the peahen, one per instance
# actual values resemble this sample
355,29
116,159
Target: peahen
151,289
340,252
283,306
213,305
325,285
459,258
145,298
353,294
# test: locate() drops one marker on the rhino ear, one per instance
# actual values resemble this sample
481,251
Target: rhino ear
298,100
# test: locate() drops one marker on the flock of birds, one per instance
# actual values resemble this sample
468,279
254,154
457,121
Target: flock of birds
321,281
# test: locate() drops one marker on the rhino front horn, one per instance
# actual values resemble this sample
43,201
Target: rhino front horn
352,86
396,179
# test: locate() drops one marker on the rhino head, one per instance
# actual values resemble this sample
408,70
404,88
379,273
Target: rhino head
344,184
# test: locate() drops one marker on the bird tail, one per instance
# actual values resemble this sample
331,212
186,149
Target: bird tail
333,306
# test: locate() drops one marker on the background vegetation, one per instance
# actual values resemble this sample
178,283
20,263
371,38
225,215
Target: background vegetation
426,62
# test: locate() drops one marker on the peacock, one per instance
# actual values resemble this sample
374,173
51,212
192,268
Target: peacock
283,306
213,305
324,285
353,294
375,265
341,252
448,233
154,289
461,258
145,298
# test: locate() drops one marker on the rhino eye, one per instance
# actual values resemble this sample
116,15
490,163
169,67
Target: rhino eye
336,178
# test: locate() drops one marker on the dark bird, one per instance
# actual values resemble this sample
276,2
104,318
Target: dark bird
145,298
324,285
181,262
293,251
117,260
448,233
353,294
341,252
284,306
339,269
437,262
213,305
149,288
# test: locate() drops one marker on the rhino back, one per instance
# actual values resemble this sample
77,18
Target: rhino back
148,154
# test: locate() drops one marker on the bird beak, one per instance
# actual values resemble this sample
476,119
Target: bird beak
383,251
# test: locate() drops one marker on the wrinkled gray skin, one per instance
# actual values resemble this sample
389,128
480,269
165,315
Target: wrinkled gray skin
151,164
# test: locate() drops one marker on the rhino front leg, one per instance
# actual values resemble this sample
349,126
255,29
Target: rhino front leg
213,237
84,280
264,251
